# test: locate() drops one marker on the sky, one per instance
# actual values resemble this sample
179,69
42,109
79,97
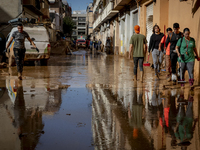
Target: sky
78,4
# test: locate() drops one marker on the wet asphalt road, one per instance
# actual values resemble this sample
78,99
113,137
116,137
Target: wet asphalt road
88,101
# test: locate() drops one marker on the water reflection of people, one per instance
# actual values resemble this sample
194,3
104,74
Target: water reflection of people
185,127
28,122
135,115
155,108
19,109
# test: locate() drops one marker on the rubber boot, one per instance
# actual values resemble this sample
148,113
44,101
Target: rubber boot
141,76
156,74
135,78
191,81
174,78
182,84
19,75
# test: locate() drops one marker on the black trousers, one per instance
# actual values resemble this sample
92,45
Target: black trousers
19,58
173,57
136,60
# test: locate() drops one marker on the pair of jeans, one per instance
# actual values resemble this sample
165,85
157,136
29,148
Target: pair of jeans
173,57
157,59
136,60
190,68
19,58
168,64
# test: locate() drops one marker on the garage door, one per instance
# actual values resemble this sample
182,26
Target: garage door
149,21
135,19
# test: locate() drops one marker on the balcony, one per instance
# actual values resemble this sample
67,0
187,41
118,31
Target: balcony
119,4
107,14
96,4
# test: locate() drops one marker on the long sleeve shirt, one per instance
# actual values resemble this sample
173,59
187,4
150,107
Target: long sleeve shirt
154,41
173,41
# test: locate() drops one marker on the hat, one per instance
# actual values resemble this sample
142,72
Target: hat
137,29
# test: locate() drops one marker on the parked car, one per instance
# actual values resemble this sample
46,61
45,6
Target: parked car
40,37
81,43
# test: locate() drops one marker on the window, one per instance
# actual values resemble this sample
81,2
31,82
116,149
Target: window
81,24
74,33
81,18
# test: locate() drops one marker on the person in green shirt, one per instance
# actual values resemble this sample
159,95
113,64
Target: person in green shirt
138,48
186,55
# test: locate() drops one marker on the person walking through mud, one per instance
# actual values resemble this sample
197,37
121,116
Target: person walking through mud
19,48
176,35
185,49
157,53
108,45
167,52
138,48
99,44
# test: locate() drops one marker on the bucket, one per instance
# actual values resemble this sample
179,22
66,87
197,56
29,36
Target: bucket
147,64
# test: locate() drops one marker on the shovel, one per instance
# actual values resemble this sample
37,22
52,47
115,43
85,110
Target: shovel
181,73
147,64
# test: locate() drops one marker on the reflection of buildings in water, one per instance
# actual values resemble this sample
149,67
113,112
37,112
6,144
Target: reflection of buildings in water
110,124
21,117
116,95
54,102
20,126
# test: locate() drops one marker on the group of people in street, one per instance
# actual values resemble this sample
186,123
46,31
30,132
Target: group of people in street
96,44
171,48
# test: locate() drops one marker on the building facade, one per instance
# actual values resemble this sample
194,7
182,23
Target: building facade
56,13
89,20
67,10
79,30
32,9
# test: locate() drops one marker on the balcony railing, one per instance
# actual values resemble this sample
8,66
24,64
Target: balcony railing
81,25
101,17
96,4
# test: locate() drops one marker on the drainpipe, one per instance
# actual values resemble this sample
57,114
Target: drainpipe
138,2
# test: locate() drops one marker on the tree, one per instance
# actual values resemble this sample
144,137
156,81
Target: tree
68,25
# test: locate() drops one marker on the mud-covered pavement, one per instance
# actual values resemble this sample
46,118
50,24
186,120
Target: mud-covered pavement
88,101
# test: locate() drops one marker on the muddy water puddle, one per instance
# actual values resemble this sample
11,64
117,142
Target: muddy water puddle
91,102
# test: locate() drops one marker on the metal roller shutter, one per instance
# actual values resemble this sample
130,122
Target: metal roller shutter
149,21
135,19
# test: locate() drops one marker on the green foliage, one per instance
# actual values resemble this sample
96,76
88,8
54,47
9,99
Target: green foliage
68,25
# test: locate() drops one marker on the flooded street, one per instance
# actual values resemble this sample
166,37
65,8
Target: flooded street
89,101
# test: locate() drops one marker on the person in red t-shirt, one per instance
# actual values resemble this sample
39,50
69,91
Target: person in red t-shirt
167,52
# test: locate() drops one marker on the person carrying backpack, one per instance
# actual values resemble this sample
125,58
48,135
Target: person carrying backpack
176,35
185,49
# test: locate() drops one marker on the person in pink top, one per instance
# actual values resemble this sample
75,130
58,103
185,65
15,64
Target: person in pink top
167,52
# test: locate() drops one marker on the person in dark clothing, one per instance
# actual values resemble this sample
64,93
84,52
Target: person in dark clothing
154,46
176,35
108,45
99,44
